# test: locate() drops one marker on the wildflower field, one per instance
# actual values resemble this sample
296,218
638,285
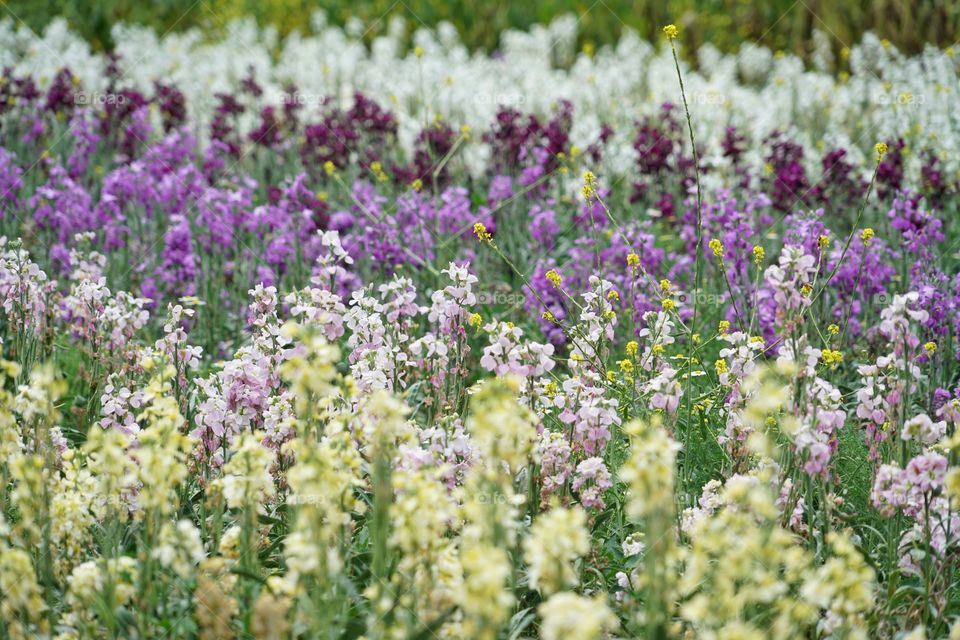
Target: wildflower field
332,336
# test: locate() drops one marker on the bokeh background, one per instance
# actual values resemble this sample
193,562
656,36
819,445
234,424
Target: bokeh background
785,25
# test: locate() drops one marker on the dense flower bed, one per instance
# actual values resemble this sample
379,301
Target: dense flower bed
305,340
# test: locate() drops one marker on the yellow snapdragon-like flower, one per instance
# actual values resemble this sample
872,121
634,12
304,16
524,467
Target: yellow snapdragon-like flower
556,540
569,615
246,480
501,427
649,472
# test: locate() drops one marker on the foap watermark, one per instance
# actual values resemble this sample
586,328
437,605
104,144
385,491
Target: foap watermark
881,299
303,99
296,98
507,99
906,99
702,298
485,497
707,98
503,298
98,98
306,500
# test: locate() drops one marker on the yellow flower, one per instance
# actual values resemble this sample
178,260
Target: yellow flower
633,260
668,304
613,296
476,320
823,242
724,326
377,169
717,247
589,185
833,329
626,366
721,366
867,235
554,278
632,347
480,230
417,184
806,290
671,31
418,51
665,285
930,347
831,357
758,255
881,148
329,168
549,317
568,615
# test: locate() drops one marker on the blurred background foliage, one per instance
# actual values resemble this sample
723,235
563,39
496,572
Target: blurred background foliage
781,25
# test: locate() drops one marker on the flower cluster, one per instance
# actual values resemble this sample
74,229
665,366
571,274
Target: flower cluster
370,348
